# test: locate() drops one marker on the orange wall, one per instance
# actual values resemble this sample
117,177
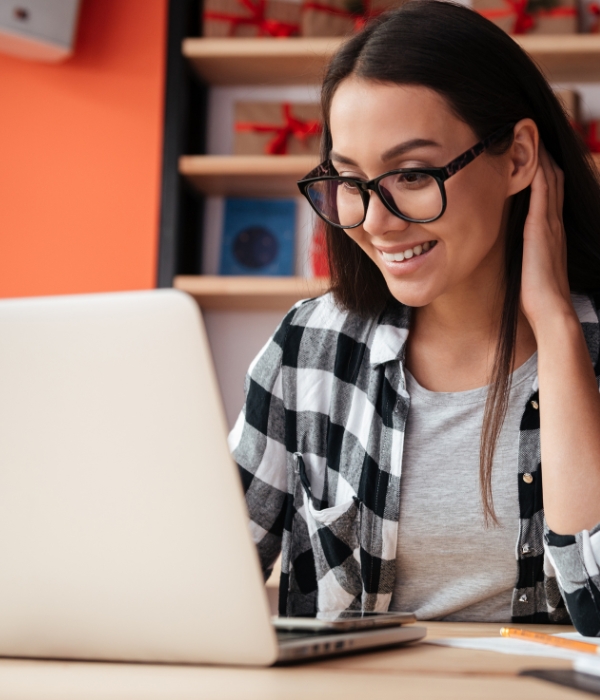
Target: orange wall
80,157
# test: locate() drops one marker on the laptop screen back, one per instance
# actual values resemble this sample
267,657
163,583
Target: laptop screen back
123,530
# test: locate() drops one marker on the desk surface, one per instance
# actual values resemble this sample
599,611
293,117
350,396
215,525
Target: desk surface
421,671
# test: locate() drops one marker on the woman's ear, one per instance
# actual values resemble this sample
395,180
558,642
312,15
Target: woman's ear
523,155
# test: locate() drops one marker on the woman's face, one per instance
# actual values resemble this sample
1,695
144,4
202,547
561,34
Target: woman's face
379,127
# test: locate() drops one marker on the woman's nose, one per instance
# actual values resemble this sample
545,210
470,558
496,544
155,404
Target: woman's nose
380,220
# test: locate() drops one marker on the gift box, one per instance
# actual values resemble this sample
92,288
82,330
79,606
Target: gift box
589,16
222,18
275,128
571,102
592,136
341,17
531,16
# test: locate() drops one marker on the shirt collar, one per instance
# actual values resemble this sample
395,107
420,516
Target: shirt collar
391,333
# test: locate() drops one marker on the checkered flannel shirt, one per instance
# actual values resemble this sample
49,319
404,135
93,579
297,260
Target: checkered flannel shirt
319,447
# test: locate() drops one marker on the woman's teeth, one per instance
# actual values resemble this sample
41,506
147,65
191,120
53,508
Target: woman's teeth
408,254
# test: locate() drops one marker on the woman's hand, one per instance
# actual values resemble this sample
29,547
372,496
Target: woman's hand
544,284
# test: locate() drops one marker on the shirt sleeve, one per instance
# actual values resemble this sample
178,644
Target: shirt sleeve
257,443
575,561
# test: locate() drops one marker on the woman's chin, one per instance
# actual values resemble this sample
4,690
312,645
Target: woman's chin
413,294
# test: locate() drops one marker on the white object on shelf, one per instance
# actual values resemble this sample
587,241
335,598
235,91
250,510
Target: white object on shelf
41,30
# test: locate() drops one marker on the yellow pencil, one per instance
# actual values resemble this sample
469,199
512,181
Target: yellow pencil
541,638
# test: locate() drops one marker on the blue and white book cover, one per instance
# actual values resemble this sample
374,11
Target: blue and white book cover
258,237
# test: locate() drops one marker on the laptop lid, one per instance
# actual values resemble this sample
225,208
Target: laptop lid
123,529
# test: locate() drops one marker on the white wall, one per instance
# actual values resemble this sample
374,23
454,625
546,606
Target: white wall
235,339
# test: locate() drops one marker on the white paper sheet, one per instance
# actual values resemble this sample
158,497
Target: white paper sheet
587,664
505,645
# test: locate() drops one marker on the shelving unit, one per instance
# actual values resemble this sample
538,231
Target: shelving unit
270,61
249,293
188,176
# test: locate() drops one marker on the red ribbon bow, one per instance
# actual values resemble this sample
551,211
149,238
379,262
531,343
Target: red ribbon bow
360,18
524,19
256,18
292,128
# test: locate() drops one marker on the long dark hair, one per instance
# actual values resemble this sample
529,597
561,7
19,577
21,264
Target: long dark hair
488,81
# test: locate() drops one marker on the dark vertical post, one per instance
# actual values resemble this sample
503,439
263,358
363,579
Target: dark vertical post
184,132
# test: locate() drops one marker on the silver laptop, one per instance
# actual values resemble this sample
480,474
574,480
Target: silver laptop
123,529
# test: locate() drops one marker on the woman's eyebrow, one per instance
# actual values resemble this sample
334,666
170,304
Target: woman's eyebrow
341,159
407,146
393,152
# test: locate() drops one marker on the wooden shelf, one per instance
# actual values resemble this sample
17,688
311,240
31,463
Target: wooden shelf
250,293
247,176
566,57
260,61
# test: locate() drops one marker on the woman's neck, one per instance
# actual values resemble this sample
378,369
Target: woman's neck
452,343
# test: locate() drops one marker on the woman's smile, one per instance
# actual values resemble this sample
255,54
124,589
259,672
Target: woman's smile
405,258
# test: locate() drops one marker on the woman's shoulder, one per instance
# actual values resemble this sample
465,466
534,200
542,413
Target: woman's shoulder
587,308
323,313
318,326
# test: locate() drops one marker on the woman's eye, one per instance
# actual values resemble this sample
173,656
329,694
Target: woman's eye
350,187
412,179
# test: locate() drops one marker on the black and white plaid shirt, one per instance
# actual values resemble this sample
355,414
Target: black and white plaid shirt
319,447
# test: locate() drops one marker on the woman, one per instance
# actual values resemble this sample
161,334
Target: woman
394,430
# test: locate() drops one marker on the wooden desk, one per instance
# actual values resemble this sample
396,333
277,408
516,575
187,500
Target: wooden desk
420,672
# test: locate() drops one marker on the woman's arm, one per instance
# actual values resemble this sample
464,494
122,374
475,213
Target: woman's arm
568,390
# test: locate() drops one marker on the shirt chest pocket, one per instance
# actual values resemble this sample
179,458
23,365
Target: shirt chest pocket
334,532
318,493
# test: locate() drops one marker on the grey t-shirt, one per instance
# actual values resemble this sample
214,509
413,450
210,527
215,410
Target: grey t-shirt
449,566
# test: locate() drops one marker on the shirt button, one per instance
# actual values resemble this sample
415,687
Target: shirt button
535,404
525,548
523,598
527,478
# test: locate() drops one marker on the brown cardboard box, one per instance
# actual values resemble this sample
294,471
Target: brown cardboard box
222,18
531,16
571,102
275,128
341,17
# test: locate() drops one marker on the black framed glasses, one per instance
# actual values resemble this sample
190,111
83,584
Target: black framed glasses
413,194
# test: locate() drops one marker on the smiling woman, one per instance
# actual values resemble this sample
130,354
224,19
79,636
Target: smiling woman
452,350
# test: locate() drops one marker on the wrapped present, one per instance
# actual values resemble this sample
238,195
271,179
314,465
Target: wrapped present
592,136
589,16
531,16
341,17
280,18
571,102
275,128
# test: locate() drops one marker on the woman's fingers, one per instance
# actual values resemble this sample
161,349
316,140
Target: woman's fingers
539,201
555,181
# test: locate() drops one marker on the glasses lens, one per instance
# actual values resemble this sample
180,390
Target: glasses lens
337,201
415,195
